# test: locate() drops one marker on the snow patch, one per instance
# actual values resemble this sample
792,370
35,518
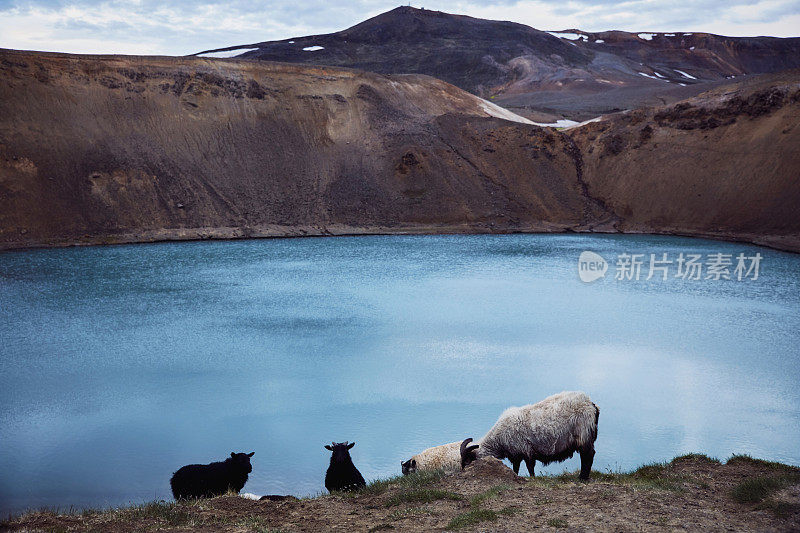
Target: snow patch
646,36
227,53
291,42
686,34
599,41
567,124
669,35
313,48
691,48
567,35
682,84
560,123
659,75
579,124
682,73
647,76
495,110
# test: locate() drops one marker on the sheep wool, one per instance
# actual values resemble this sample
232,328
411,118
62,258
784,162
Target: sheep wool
214,479
342,474
551,430
443,457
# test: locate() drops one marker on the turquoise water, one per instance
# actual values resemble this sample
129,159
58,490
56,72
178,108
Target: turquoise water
120,364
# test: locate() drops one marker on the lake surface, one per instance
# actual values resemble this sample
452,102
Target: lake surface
120,364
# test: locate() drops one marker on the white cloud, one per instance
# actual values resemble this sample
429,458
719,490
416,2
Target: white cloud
176,28
736,17
128,28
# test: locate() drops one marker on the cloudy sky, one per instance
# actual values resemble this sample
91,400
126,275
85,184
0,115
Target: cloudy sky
187,26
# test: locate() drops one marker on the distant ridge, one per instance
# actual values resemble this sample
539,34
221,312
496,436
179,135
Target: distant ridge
572,73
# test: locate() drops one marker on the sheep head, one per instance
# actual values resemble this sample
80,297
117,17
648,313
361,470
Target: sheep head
468,452
409,467
242,460
340,450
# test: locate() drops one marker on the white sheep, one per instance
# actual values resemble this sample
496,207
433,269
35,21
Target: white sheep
445,457
548,431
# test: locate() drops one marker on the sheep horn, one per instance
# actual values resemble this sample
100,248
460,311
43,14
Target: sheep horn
464,444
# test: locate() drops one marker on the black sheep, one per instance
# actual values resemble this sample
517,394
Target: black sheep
342,474
215,479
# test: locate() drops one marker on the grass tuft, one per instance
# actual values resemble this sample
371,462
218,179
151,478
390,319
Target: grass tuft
786,509
695,457
558,523
472,517
772,465
480,499
650,472
416,480
478,515
658,476
758,489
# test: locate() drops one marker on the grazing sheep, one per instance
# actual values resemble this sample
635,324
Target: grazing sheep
445,457
551,430
215,479
342,474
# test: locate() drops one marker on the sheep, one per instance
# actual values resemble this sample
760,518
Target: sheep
342,474
551,430
444,457
215,479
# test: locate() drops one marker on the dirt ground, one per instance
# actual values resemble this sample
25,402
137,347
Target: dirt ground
691,493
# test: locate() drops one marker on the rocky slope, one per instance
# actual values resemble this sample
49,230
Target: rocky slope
573,73
724,163
118,149
131,149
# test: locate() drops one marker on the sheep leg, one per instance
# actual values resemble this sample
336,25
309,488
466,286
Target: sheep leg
515,464
587,456
530,464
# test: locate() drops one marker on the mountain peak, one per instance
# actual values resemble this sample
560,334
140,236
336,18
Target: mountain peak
583,73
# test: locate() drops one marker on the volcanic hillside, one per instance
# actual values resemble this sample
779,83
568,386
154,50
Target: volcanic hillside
99,149
471,53
724,163
116,149
538,74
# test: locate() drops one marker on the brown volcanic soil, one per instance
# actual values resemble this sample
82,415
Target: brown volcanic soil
116,149
691,493
725,163
104,149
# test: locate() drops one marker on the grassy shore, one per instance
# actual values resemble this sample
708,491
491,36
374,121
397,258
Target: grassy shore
691,492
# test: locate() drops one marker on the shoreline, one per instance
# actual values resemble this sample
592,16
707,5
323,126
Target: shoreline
692,492
783,243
